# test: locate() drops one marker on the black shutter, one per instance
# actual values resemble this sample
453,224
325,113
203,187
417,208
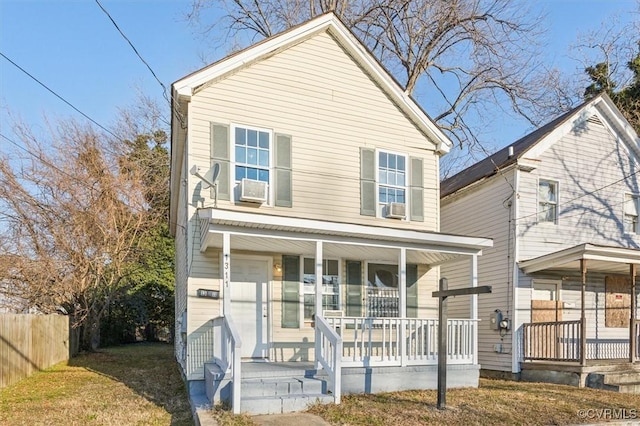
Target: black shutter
367,182
282,170
412,291
290,291
220,154
416,190
354,288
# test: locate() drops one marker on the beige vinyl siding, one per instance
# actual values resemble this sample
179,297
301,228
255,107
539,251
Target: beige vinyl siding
490,219
589,162
317,94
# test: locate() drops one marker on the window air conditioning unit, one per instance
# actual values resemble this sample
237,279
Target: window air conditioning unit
396,210
253,191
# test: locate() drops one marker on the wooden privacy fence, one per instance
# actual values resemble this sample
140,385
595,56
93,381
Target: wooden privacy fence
29,343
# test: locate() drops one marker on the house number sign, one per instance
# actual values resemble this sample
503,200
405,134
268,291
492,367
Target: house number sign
225,275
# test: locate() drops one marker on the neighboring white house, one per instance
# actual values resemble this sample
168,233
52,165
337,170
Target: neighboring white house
561,205
320,242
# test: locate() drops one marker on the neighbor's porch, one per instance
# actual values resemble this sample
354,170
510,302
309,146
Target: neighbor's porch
376,326
593,340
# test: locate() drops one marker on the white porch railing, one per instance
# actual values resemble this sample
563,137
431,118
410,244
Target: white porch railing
328,355
227,352
380,341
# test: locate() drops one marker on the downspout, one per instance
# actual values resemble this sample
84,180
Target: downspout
513,261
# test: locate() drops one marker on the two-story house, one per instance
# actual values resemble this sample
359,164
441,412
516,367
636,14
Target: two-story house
305,207
562,207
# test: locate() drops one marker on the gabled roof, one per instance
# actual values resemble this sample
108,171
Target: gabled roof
329,22
526,145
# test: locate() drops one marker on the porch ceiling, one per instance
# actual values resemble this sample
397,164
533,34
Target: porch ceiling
273,234
609,260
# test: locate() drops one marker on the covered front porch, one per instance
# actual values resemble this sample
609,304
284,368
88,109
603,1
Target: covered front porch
353,300
589,324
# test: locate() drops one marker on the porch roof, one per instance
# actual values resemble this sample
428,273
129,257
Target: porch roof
614,260
287,235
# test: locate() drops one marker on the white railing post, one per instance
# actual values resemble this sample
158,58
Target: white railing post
329,349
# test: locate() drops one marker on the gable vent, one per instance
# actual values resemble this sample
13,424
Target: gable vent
594,119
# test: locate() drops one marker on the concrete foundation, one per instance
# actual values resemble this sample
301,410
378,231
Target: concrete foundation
390,379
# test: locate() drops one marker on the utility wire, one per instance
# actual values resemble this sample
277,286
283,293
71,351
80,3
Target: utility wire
586,194
58,96
135,50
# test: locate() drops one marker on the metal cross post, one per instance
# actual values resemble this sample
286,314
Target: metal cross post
442,295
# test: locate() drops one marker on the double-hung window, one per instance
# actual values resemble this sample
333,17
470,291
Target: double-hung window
252,149
631,213
392,181
330,286
547,201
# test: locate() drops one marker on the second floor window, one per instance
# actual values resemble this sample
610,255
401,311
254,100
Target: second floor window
631,213
547,201
391,178
252,154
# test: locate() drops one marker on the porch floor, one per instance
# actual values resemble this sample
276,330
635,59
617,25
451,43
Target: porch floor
574,374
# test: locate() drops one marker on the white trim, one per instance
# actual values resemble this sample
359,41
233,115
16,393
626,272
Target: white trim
232,161
187,86
515,275
556,218
582,251
268,294
543,282
303,228
379,205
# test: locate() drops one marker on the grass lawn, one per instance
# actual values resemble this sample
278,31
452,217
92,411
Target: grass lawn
496,402
135,384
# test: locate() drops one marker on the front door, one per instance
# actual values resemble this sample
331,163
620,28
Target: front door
249,279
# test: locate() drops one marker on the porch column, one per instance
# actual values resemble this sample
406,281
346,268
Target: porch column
583,316
318,308
402,303
632,319
226,273
474,305
402,283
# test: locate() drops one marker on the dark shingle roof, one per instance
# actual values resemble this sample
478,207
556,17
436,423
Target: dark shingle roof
501,159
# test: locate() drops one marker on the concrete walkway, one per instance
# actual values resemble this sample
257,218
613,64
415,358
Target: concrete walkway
291,419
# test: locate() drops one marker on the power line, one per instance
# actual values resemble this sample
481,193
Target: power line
135,50
623,178
58,96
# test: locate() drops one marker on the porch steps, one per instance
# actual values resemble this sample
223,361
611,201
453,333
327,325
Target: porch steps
271,388
621,380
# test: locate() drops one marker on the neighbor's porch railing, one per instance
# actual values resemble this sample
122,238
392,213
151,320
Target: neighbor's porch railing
380,341
227,352
560,341
328,354
552,341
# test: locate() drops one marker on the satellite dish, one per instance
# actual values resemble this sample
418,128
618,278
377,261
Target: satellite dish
209,178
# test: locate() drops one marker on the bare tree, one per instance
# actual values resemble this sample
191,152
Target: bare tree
471,56
73,208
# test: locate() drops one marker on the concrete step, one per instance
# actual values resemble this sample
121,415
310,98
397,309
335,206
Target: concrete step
282,404
628,382
282,386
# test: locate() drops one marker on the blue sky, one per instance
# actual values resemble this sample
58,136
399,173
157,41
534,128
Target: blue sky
72,47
